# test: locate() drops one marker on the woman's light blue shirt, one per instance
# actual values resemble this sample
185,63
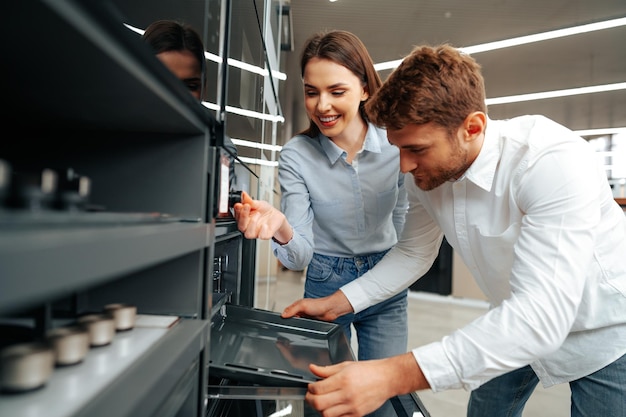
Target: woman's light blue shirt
337,208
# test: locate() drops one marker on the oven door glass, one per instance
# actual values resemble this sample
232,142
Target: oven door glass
259,346
229,400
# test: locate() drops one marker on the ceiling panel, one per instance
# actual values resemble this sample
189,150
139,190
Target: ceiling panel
391,28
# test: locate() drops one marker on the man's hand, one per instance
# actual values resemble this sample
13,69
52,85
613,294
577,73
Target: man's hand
325,308
358,388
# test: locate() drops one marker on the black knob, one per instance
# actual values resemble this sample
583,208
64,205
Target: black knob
74,190
234,197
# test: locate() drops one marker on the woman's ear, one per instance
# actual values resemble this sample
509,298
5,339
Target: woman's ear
366,93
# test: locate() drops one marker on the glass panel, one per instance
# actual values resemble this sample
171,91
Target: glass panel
213,46
235,399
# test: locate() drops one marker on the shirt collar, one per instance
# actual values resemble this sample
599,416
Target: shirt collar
334,152
483,169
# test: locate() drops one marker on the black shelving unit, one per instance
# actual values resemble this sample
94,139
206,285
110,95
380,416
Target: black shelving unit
86,94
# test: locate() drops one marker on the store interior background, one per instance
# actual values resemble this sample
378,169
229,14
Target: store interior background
263,112
449,298
390,30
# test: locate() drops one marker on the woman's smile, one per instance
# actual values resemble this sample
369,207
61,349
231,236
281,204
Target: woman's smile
328,121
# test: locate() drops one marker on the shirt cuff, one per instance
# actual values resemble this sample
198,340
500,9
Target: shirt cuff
288,254
356,296
436,367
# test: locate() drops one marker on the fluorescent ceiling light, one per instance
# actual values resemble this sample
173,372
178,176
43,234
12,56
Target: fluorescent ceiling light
246,113
600,132
257,70
134,29
232,62
556,93
507,43
553,34
255,161
256,145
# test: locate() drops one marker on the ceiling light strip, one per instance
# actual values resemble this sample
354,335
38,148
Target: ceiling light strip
256,145
257,70
602,132
244,66
255,161
232,62
257,115
553,34
246,113
490,46
555,93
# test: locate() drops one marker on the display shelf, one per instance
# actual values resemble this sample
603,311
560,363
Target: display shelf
226,226
37,264
102,385
118,76
107,108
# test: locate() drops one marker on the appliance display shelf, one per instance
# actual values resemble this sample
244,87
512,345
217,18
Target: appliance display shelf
90,255
101,383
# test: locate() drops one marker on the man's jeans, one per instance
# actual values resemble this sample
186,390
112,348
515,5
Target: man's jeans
601,394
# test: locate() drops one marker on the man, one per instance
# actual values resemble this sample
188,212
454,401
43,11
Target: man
528,207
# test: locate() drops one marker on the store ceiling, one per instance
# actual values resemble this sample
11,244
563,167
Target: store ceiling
391,28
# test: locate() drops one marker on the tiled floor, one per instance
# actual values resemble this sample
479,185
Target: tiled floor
430,318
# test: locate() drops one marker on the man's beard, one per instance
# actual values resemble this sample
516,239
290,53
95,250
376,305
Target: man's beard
457,165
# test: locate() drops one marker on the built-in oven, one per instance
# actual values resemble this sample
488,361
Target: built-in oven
259,361
258,401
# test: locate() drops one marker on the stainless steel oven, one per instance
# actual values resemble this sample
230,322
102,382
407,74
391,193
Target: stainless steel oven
259,401
259,364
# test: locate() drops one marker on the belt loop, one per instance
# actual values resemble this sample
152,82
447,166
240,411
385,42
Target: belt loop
371,259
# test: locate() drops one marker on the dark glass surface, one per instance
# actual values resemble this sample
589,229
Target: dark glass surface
238,400
259,346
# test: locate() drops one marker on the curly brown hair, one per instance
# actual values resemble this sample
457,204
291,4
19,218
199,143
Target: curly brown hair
432,84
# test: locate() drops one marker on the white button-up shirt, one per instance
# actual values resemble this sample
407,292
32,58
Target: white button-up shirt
535,221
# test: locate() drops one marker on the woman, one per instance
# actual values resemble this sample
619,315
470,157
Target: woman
343,197
179,47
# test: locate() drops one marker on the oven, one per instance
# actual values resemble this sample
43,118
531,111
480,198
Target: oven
258,365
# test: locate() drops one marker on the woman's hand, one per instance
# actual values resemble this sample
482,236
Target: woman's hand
258,219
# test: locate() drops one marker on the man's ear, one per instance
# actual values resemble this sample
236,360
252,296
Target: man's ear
474,125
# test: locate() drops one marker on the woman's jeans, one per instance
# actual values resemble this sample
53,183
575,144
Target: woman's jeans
602,393
381,329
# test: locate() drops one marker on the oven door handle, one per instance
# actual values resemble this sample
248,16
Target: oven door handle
256,392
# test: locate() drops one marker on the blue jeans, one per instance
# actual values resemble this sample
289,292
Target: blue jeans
602,393
381,329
